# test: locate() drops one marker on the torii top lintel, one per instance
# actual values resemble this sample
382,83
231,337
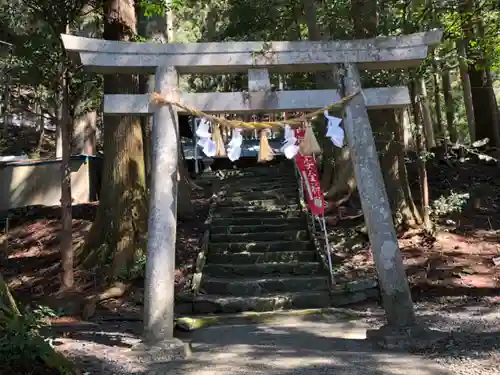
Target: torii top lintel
106,56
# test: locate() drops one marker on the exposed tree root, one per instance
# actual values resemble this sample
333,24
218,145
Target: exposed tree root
333,206
193,185
343,182
116,290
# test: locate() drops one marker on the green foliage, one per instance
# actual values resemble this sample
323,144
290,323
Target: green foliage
22,343
33,27
426,156
445,205
153,7
138,269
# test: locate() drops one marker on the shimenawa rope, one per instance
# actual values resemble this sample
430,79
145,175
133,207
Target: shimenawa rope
159,99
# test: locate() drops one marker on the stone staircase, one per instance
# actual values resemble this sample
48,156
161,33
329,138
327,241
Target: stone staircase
260,257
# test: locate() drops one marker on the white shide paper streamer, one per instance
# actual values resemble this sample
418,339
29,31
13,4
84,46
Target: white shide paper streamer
205,138
290,147
234,145
334,131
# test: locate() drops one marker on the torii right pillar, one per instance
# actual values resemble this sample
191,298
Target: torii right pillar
401,330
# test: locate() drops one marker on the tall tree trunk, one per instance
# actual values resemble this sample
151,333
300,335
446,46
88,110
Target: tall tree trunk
495,117
404,120
390,146
466,87
344,182
41,127
185,207
65,124
451,129
6,105
437,105
388,132
364,16
485,108
119,230
418,111
90,141
311,19
330,153
426,115
209,26
146,85
85,134
488,82
170,22
59,139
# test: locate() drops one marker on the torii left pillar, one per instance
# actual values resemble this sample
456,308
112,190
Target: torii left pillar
159,293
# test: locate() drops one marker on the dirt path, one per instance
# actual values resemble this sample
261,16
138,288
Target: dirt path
304,345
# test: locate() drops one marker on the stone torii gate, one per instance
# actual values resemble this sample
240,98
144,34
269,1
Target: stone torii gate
167,61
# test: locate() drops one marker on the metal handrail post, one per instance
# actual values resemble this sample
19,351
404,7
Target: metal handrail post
321,221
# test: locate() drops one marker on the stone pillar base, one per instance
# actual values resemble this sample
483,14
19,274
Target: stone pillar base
410,338
163,351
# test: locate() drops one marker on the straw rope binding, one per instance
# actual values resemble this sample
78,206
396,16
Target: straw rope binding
173,99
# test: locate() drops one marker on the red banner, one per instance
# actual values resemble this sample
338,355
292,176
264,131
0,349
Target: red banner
310,178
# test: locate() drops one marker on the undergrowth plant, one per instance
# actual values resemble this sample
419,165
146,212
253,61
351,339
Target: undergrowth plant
445,205
22,344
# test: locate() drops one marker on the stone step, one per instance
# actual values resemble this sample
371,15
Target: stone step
288,235
257,221
257,185
239,201
250,178
281,193
266,171
288,206
205,304
263,286
260,180
207,180
209,176
278,213
262,257
263,269
252,182
258,246
281,226
260,172
234,189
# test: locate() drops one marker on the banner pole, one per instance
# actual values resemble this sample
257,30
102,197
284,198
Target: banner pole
327,246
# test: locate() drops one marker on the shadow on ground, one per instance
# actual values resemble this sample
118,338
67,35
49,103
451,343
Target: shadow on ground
279,351
326,344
